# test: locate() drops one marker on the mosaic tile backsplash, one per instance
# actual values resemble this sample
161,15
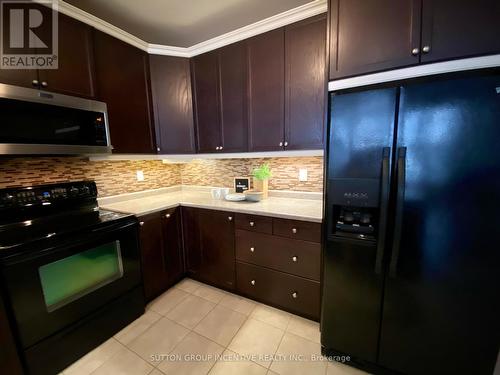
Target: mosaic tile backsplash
118,177
285,172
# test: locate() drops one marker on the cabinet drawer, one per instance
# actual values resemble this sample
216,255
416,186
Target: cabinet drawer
301,258
299,230
254,223
291,293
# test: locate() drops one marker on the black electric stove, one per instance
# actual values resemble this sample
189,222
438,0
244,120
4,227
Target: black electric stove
70,272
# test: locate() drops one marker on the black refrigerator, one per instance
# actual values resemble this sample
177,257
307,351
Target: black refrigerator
411,280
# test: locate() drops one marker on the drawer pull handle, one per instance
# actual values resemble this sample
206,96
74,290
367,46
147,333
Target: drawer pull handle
252,249
167,216
230,218
252,224
295,295
295,259
141,223
294,230
252,282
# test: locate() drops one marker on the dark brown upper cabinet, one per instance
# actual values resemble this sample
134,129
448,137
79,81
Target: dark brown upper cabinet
266,77
305,83
172,100
233,97
206,101
459,28
219,80
373,35
75,72
122,75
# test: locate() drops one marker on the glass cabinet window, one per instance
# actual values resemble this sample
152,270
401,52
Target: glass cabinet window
68,279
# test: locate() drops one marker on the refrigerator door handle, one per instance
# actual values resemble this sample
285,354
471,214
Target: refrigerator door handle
384,206
401,172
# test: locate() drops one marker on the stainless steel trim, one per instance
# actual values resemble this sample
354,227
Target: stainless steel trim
49,98
36,149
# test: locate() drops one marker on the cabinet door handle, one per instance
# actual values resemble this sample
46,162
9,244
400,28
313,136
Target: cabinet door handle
252,224
281,144
252,249
294,258
295,295
426,49
415,51
285,144
294,230
158,149
35,82
141,223
252,282
167,216
220,147
230,218
44,84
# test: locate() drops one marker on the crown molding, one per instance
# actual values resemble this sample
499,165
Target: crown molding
290,16
451,66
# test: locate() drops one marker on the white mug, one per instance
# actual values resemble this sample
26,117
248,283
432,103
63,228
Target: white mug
215,193
224,192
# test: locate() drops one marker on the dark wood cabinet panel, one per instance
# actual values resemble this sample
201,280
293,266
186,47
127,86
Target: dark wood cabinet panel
206,100
254,223
161,251
209,246
233,97
171,89
300,258
296,229
122,76
305,83
217,244
191,236
152,256
266,64
459,28
19,77
373,35
296,294
75,72
172,245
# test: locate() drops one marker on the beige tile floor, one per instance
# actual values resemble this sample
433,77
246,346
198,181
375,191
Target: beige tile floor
194,328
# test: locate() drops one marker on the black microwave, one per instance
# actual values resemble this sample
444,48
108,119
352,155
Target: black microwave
39,122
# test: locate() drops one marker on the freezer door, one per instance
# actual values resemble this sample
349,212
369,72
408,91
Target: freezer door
360,139
441,303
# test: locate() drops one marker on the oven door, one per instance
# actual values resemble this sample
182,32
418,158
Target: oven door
52,288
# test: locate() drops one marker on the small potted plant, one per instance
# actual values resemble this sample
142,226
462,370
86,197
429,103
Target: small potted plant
261,176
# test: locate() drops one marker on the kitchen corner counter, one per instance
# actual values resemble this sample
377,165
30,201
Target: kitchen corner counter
295,206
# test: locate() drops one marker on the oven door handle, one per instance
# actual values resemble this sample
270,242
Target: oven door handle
54,247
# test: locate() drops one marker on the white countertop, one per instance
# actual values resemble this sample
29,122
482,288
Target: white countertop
297,206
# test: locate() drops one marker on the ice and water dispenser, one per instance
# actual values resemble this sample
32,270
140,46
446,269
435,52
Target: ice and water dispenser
354,205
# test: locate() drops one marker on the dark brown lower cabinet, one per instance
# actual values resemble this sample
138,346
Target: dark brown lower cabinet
161,251
209,246
292,293
300,258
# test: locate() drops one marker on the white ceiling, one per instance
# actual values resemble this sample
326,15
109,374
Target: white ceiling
183,23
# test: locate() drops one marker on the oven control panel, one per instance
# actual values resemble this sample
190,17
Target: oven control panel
45,195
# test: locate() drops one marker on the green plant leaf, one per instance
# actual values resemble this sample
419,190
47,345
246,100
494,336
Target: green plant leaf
262,173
